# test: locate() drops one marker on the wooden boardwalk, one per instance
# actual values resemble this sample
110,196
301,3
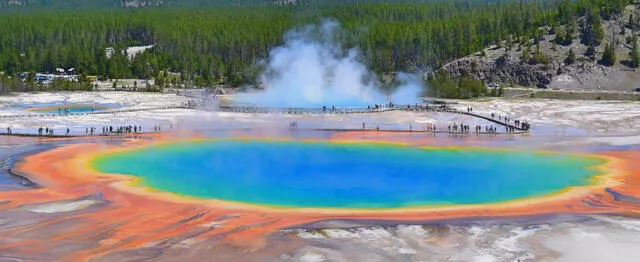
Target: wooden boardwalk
293,129
518,129
363,110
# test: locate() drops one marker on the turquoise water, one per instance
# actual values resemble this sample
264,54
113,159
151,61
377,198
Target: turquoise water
71,110
324,174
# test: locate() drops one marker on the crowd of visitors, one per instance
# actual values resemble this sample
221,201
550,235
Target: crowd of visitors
89,131
511,126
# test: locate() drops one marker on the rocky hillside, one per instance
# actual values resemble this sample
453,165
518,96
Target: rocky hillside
511,67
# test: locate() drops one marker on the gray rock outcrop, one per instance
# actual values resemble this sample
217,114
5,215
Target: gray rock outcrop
501,70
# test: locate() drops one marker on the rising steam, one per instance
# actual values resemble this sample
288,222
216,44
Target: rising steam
312,69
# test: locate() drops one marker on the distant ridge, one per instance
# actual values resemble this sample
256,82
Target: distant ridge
84,4
79,4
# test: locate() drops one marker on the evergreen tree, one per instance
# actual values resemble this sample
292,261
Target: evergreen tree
571,58
538,57
635,54
609,55
559,37
220,42
592,32
526,54
568,37
590,53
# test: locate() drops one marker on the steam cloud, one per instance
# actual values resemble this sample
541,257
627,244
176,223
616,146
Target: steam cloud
312,69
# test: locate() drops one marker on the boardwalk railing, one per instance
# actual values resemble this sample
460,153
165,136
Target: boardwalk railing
297,111
332,110
362,110
491,119
302,110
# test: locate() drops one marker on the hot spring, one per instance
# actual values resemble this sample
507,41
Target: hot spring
70,109
347,175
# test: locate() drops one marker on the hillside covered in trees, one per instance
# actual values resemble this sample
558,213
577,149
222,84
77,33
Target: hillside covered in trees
222,43
101,4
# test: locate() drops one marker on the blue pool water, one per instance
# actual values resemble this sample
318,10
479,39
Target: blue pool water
70,110
341,175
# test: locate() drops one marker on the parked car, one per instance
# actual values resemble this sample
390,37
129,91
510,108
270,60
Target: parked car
493,85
